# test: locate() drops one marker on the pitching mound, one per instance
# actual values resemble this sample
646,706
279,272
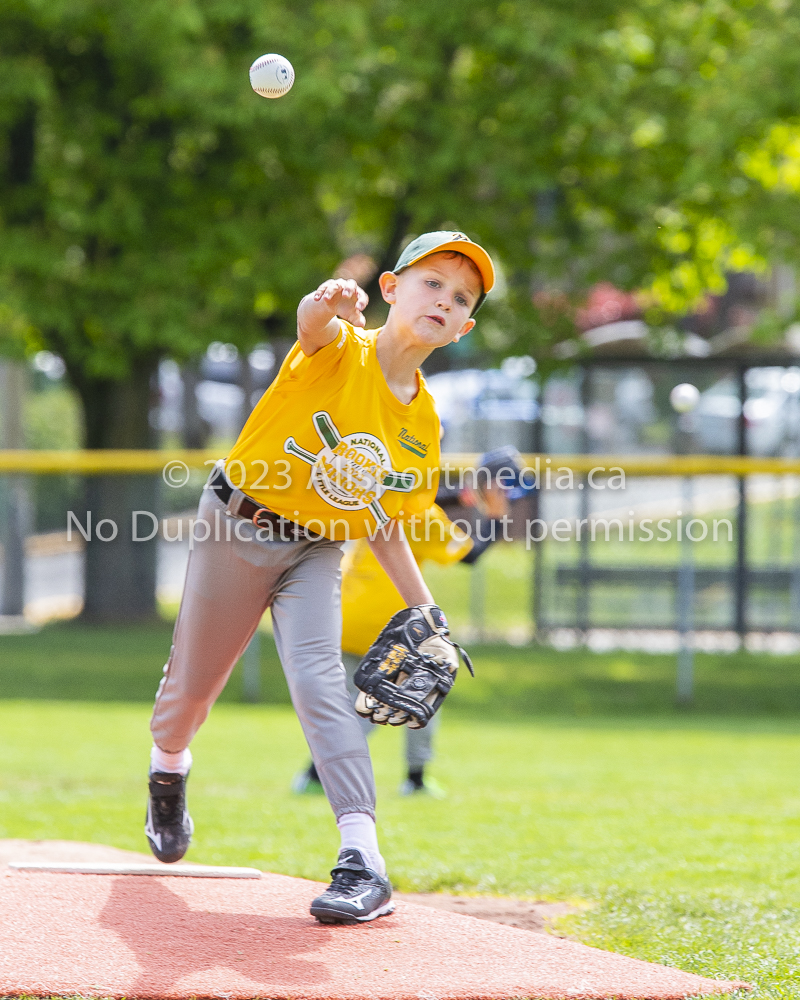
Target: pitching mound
165,937
527,914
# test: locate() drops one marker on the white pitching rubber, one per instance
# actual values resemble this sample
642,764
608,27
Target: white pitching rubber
123,868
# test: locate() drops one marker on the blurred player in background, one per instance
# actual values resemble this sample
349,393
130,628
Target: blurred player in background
369,598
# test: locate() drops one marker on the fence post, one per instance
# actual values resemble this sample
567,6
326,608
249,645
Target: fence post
794,579
582,610
477,599
251,669
684,399
534,507
740,577
584,594
13,507
685,674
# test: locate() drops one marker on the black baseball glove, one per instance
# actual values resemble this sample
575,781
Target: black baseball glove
409,669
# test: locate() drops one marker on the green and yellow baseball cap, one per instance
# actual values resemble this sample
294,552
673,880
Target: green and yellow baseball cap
428,243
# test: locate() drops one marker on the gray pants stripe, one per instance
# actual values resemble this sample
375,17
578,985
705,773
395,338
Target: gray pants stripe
229,584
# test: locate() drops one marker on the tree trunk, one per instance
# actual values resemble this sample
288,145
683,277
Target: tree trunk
391,252
120,582
248,388
195,429
13,494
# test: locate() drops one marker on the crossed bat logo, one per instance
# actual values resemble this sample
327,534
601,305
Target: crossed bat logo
353,471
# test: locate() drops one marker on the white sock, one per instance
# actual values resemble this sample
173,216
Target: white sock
172,763
359,833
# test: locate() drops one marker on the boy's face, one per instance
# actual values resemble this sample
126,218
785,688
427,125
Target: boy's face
433,298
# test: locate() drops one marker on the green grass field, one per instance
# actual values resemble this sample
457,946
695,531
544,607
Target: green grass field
78,662
570,776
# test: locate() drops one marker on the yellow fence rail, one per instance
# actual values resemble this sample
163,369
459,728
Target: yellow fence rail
116,462
649,465
121,462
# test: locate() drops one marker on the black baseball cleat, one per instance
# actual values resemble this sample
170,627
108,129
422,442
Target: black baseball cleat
355,895
169,826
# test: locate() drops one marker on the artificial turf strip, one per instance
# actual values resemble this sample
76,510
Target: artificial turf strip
680,835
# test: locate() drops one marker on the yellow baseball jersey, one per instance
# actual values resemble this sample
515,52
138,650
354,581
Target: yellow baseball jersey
330,446
369,598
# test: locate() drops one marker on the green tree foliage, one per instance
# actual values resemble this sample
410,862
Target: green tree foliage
580,141
147,193
151,203
693,90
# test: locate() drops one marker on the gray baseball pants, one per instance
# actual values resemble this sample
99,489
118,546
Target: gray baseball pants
419,750
231,578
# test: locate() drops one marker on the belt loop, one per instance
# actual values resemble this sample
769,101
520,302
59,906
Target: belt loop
235,502
236,497
217,470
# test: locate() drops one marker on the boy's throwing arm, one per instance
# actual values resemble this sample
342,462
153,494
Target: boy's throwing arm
394,555
317,325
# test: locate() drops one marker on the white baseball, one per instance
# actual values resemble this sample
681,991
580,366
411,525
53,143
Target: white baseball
684,397
271,75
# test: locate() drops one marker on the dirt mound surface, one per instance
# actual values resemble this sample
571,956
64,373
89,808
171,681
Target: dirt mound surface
529,915
165,938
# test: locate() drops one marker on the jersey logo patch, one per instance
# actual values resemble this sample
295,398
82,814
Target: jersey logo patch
412,444
351,472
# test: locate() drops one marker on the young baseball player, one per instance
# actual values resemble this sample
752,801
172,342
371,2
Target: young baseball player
343,443
369,598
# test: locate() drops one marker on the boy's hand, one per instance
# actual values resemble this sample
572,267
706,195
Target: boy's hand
317,312
345,298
